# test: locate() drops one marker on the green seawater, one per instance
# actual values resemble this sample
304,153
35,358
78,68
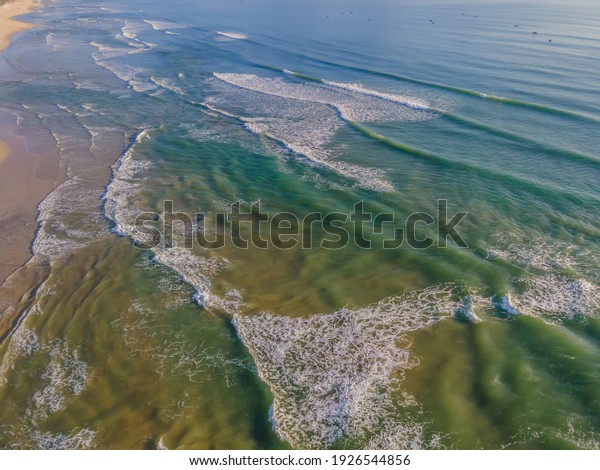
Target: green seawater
121,345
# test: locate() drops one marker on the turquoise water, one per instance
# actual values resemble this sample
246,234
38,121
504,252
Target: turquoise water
309,108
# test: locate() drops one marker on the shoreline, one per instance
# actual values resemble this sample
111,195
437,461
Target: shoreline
10,26
25,178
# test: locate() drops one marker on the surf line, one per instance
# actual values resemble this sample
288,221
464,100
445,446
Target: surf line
555,151
439,86
525,184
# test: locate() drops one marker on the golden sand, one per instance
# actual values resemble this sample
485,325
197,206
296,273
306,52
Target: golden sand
4,151
9,26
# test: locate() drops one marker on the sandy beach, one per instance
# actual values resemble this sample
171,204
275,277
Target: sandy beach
25,178
10,26
4,151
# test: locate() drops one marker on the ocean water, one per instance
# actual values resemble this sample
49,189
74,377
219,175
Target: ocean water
309,107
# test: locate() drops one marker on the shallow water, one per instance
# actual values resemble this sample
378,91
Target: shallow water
309,110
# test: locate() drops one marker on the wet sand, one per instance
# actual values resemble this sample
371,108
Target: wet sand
19,195
25,178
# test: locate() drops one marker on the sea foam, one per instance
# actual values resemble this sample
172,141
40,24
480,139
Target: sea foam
337,377
165,25
231,35
305,117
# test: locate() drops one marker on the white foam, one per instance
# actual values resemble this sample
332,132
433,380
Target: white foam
77,440
306,132
414,103
161,444
59,41
579,438
306,116
124,182
50,240
98,134
89,85
68,216
56,236
195,270
130,29
22,343
106,51
66,376
545,255
337,377
230,35
129,34
137,78
232,302
51,41
465,311
505,305
558,297
165,25
167,84
353,102
563,282
177,356
93,108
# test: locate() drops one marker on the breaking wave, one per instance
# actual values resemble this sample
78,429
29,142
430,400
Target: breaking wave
306,117
230,35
